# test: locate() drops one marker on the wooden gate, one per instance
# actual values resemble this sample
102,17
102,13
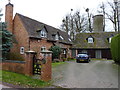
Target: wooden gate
36,66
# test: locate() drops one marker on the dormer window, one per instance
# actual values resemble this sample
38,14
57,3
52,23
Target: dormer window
90,40
110,39
56,37
43,33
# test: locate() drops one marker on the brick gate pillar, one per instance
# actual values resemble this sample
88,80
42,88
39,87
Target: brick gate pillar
29,55
46,70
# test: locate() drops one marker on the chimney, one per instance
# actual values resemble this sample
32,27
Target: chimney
9,17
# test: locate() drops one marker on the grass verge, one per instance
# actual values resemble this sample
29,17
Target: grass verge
57,64
22,80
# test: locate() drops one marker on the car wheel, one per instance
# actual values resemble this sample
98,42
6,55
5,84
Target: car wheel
77,61
88,61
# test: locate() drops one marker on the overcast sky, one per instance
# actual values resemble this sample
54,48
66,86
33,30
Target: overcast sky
50,12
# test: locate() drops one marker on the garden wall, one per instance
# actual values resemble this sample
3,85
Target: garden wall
14,66
115,48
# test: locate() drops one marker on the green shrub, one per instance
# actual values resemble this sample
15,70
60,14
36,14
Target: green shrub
15,56
64,59
56,51
115,48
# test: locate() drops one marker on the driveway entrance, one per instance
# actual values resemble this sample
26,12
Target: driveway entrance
96,74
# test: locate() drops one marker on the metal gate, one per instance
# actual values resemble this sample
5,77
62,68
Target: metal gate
36,66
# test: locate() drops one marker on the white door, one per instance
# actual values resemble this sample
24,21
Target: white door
98,54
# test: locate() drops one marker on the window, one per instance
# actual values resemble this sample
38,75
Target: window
64,51
21,50
110,39
90,40
43,33
43,48
56,37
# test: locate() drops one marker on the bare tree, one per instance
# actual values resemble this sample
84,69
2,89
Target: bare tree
113,16
89,19
103,11
80,22
74,23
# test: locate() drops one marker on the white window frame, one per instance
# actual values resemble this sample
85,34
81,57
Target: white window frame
43,48
110,39
90,40
56,37
22,50
43,33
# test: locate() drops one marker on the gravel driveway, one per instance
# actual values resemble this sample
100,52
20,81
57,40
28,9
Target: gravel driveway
96,74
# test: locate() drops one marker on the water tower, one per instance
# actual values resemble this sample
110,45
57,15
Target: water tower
98,23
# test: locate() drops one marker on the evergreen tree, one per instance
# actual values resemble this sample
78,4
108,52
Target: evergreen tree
6,38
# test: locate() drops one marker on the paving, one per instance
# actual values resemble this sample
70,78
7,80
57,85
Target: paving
96,74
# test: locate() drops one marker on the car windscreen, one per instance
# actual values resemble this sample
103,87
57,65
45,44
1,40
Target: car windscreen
82,55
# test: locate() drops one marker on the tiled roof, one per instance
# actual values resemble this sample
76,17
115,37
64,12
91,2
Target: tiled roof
32,26
100,40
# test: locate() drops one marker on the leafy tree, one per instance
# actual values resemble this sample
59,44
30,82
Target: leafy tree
6,38
56,52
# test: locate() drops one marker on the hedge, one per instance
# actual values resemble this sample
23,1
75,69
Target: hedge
115,48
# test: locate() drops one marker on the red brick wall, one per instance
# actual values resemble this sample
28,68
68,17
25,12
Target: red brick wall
9,17
14,67
35,45
46,71
21,36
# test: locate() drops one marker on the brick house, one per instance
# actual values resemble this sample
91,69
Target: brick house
33,35
95,43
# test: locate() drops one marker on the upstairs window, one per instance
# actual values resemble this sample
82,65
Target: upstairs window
43,48
110,39
56,37
90,40
43,33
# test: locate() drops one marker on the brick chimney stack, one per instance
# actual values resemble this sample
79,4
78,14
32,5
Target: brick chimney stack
9,17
